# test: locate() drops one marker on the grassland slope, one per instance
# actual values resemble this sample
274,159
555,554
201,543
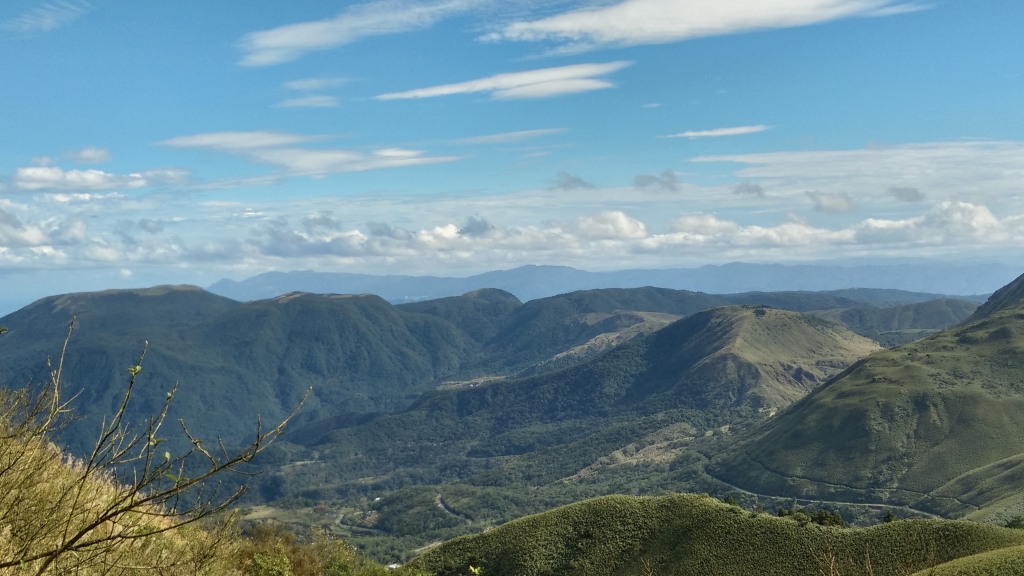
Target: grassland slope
937,424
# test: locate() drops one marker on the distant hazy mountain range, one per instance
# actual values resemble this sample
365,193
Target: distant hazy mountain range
531,282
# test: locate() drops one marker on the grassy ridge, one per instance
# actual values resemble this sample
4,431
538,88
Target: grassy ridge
698,535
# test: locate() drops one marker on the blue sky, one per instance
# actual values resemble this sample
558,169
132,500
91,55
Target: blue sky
146,143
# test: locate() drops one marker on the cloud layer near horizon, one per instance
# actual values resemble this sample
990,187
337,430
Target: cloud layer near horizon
230,235
912,200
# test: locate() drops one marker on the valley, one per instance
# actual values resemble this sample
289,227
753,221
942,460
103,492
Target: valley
449,417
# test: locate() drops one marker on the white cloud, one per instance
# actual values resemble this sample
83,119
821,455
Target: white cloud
306,162
49,16
90,155
235,141
506,137
542,83
70,197
611,225
588,228
55,178
718,132
615,239
275,148
311,101
314,84
14,234
636,22
291,42
824,202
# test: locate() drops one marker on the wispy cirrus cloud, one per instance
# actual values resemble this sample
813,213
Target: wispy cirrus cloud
292,41
636,22
48,16
90,155
719,132
313,84
839,202
950,169
542,83
235,141
311,101
506,137
279,149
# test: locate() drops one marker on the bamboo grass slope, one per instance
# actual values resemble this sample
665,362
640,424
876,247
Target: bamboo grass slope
691,535
937,425
1001,562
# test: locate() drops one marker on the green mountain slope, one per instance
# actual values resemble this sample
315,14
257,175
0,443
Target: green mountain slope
699,371
937,424
699,536
359,353
540,329
232,361
905,323
481,314
1008,296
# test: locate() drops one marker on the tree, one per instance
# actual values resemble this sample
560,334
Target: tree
107,510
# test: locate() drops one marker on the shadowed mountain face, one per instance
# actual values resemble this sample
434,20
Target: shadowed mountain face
232,361
937,424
